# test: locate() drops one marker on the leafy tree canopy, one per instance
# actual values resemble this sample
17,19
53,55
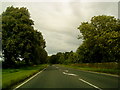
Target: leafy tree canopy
101,39
21,43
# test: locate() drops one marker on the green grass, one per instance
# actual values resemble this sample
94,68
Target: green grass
11,77
110,68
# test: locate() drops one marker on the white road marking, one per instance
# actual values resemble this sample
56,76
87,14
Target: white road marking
89,84
29,79
57,67
101,73
70,74
66,70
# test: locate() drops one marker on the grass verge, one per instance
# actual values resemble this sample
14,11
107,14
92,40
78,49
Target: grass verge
109,68
11,77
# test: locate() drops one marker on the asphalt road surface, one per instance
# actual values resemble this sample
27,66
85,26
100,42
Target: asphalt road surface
56,76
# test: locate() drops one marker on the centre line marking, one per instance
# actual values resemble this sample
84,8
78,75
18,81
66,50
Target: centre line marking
89,84
70,74
66,70
57,67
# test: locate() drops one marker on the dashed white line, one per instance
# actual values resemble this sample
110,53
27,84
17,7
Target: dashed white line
28,79
57,67
71,74
66,70
89,84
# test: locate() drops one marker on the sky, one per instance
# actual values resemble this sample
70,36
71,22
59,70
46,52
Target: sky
58,19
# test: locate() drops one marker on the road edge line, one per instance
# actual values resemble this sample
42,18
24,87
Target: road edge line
102,73
29,79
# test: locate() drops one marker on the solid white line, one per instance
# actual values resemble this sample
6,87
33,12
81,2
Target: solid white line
89,84
101,73
70,74
28,79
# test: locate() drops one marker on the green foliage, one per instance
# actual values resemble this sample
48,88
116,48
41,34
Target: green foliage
20,40
64,58
109,67
101,40
11,77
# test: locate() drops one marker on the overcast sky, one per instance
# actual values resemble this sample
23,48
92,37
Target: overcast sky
58,21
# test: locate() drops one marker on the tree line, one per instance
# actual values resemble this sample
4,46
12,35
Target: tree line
22,45
101,42
64,58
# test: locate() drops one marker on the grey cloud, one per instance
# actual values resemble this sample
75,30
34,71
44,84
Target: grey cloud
58,21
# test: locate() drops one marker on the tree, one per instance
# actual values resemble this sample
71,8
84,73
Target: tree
53,59
0,33
20,41
64,58
101,39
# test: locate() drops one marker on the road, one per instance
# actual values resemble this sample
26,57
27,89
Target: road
57,76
